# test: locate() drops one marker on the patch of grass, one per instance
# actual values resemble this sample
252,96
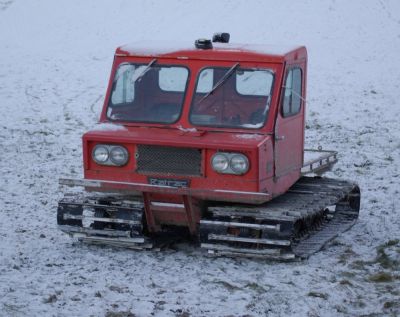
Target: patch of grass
256,287
181,313
360,264
359,303
383,259
363,164
393,242
381,277
359,172
14,310
336,243
345,282
391,305
76,298
394,290
318,294
51,299
118,289
389,158
119,314
350,275
340,309
367,131
348,253
230,287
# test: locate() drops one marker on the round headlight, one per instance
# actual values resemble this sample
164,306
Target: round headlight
100,154
239,164
119,155
220,162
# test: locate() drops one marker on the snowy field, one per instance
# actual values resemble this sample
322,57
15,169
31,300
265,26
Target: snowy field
55,58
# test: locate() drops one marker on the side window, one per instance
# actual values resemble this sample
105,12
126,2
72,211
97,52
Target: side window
292,96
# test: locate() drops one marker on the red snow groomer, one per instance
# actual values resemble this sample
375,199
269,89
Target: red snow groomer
207,140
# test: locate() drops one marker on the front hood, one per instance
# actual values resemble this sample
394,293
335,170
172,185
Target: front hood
175,137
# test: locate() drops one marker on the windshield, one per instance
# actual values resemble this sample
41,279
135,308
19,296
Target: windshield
147,93
240,100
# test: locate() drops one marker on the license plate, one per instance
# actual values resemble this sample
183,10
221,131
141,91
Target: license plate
177,183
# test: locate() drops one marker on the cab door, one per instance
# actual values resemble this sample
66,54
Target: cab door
289,126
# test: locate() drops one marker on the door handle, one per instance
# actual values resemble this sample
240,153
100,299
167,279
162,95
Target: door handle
279,138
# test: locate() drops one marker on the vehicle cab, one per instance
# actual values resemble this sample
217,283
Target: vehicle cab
211,120
196,140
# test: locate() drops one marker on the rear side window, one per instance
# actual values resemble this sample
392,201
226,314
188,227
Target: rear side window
292,96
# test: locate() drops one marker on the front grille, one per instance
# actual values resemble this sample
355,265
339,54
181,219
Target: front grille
154,159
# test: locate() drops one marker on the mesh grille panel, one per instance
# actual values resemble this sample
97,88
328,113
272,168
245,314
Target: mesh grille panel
168,160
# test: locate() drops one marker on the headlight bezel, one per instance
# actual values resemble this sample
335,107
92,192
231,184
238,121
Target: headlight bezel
110,148
229,169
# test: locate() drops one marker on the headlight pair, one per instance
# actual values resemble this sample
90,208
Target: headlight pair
230,163
114,155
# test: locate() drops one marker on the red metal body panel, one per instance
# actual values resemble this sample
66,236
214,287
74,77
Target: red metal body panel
210,142
289,138
274,165
219,52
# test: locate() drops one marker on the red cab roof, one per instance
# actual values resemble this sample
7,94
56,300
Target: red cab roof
220,51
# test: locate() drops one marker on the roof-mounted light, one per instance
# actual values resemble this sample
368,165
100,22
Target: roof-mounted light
203,44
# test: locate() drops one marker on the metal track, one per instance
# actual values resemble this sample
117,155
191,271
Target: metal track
113,221
295,225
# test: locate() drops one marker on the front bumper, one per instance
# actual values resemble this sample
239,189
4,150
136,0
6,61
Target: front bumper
138,189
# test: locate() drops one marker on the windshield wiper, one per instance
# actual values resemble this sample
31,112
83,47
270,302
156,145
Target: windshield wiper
221,81
144,71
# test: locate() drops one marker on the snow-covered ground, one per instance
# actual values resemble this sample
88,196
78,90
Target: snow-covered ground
55,58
